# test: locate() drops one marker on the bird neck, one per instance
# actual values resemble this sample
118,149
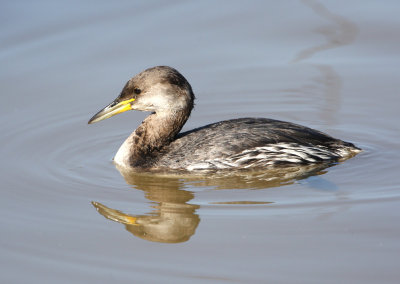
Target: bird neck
158,130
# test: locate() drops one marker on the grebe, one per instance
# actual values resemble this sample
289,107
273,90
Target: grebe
236,143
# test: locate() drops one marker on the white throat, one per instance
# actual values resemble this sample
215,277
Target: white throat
123,154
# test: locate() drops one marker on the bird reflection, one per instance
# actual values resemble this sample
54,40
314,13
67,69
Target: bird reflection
171,223
173,218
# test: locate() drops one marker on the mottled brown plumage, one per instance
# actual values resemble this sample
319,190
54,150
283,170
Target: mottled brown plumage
237,143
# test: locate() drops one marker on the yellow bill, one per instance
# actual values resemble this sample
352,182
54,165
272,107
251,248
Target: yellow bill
111,110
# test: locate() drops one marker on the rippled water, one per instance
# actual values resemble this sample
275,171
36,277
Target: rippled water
68,215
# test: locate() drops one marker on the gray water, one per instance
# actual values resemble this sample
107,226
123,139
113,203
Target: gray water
69,216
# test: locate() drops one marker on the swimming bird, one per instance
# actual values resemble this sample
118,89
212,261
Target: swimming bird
237,143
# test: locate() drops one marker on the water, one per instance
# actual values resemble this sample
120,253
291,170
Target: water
68,215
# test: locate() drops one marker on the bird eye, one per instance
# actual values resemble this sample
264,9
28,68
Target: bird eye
137,91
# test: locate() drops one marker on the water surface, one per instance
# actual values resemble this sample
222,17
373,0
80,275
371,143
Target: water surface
68,215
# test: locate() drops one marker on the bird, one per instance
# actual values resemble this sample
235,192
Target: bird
242,143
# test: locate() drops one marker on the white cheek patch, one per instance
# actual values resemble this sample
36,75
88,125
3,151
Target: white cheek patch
153,99
157,95
161,97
